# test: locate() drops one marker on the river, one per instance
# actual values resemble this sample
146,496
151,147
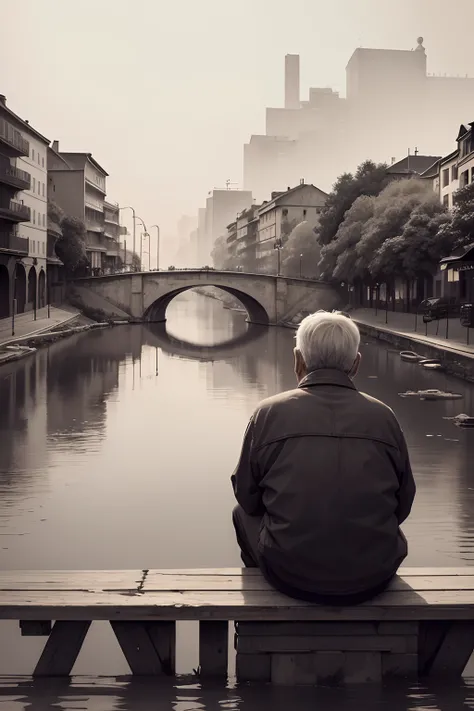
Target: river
116,449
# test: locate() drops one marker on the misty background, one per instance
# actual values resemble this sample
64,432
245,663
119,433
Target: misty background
165,94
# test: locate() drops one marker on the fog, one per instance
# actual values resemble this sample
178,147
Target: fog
165,94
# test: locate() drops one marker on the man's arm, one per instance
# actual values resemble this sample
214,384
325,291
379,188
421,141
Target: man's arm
407,490
245,477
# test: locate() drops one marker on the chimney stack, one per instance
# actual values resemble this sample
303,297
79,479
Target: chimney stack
3,99
292,81
55,146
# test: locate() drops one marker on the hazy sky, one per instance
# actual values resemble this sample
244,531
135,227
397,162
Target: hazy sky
164,94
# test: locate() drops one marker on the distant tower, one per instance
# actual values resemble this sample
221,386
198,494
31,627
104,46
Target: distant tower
420,47
292,81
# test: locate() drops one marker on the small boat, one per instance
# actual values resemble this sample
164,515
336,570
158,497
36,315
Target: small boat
464,420
410,356
431,395
429,361
434,366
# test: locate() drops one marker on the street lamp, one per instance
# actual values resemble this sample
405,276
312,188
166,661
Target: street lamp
301,257
129,207
141,238
157,246
278,247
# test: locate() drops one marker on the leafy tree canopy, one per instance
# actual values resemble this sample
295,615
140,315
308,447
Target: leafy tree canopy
369,179
301,247
71,246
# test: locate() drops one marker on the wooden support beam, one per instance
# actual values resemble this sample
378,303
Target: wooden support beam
213,648
62,648
148,647
430,638
456,648
35,628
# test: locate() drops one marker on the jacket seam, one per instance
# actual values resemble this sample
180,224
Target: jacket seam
325,434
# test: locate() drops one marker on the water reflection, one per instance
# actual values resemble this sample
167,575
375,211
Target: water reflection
125,694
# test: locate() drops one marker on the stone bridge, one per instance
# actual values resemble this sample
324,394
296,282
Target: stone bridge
267,299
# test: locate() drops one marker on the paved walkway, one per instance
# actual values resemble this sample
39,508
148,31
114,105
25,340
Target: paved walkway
25,324
433,333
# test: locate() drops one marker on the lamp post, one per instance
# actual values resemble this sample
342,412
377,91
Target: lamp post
278,246
301,257
141,238
157,246
129,207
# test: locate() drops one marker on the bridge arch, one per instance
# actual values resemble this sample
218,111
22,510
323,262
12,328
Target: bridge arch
257,314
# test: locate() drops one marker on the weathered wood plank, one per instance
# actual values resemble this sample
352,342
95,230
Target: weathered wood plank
213,648
399,665
137,647
62,648
315,643
35,628
455,651
304,629
253,667
163,638
362,667
70,580
398,628
293,669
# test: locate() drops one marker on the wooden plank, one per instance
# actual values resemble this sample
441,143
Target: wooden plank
398,628
399,665
362,667
137,648
455,651
222,605
253,667
163,638
62,648
305,629
69,579
315,643
35,628
213,648
293,669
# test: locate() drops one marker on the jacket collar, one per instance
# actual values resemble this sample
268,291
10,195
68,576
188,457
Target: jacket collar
327,376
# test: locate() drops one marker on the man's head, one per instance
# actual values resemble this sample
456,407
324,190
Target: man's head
327,340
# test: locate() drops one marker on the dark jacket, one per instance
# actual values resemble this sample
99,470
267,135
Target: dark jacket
327,466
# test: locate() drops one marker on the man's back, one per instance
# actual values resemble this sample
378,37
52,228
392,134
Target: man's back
328,468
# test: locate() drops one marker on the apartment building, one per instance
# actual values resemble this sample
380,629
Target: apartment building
77,184
281,214
23,214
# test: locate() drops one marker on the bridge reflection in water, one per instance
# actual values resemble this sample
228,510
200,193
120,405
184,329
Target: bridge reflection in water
156,335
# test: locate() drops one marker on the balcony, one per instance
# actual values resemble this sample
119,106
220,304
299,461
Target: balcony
16,212
11,243
11,137
15,177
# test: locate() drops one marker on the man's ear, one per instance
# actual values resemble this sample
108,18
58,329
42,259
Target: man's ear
300,365
355,366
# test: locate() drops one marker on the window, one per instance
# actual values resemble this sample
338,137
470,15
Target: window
464,178
44,218
33,246
446,200
38,158
454,172
43,189
32,153
304,213
42,162
34,218
34,184
39,187
445,177
43,243
472,175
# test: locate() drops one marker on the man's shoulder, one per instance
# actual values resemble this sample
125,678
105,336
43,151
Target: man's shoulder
376,405
278,400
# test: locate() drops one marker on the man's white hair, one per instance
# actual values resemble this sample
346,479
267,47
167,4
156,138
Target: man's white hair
328,340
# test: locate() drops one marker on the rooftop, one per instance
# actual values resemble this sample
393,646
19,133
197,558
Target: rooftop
24,124
413,164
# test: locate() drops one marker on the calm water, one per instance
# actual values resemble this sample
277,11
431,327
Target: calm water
116,449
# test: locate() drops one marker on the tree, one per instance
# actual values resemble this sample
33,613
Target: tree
71,246
370,179
302,240
459,231
392,210
220,252
338,259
